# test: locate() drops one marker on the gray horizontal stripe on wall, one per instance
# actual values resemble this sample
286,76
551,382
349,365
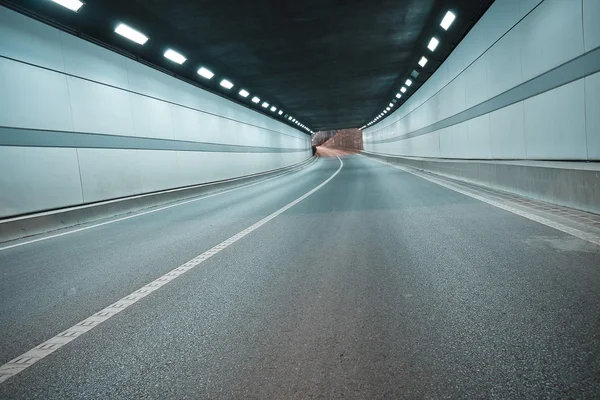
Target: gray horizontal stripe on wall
41,138
580,67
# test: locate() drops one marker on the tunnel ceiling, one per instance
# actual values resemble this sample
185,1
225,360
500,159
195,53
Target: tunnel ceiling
328,63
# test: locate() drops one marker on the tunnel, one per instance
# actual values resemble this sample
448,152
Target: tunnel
300,199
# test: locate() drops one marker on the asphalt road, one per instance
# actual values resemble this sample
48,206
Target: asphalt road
378,285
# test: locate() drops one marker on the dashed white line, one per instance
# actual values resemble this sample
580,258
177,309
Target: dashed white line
48,347
544,221
112,221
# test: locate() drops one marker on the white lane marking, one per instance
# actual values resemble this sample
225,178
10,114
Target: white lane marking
85,228
18,364
544,221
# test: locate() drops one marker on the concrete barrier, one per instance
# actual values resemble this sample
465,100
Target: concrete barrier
570,184
44,222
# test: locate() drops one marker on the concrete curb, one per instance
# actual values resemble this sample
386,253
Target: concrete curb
561,183
33,224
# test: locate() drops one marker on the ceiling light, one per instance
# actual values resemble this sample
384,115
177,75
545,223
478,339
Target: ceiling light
206,73
255,99
226,84
447,21
290,117
403,89
244,93
175,56
385,111
433,44
398,95
391,105
408,82
131,34
265,104
422,61
280,112
73,5
273,109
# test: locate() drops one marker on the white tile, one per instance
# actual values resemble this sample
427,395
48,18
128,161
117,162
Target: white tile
151,117
151,82
555,124
504,64
159,170
475,80
591,27
28,40
478,137
592,115
32,97
551,35
109,173
507,132
40,178
87,60
100,109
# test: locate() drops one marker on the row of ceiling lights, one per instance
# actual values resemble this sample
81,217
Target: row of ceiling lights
139,38
433,43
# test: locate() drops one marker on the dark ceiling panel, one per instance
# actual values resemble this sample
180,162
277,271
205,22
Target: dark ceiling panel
329,63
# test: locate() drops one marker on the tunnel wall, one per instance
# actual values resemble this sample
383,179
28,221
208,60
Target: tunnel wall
81,124
523,84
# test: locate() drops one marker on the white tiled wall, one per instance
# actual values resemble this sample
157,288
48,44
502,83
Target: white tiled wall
51,80
560,124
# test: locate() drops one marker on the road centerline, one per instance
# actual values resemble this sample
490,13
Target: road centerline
25,360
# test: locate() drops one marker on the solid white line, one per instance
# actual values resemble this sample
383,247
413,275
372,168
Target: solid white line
85,228
544,221
32,356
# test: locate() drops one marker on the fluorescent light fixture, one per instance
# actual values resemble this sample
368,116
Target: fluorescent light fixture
422,61
385,111
280,112
398,95
403,89
433,43
391,105
226,84
408,82
73,5
290,117
244,93
131,34
265,104
255,99
387,108
205,73
175,56
448,20
273,109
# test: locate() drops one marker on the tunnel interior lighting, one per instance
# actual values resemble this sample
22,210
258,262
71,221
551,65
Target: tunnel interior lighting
448,20
273,109
205,73
414,74
387,108
226,84
408,82
433,43
422,61
290,118
403,89
265,104
244,93
73,5
131,34
280,112
398,95
175,56
391,105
